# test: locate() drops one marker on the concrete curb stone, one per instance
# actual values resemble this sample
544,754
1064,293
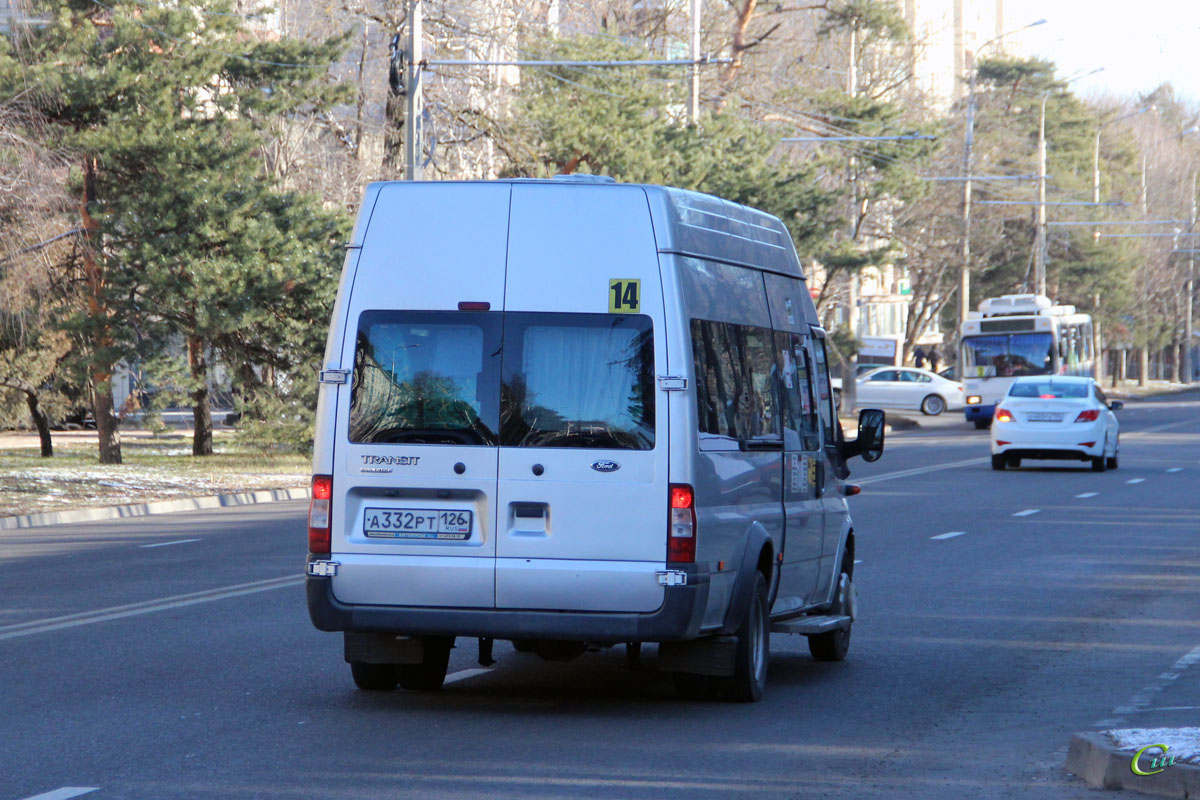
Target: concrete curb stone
1094,758
156,507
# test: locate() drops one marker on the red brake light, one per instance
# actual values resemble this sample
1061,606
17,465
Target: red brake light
1003,415
319,508
681,529
1088,416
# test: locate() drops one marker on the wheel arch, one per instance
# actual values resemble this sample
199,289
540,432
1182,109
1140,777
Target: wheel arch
758,555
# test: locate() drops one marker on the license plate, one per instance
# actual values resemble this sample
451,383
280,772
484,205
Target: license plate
1043,416
443,524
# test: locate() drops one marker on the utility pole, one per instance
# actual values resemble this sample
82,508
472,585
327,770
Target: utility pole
1189,294
1039,254
413,102
694,55
964,270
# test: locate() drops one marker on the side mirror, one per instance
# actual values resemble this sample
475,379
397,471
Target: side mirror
869,443
870,434
1116,405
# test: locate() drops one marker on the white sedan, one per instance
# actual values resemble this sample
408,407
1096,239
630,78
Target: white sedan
908,387
1056,417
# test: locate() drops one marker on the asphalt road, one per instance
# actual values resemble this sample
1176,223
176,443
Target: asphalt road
172,657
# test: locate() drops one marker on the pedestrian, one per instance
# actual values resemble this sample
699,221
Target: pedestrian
935,356
919,357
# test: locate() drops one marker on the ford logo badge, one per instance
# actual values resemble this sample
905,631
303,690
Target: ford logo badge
605,466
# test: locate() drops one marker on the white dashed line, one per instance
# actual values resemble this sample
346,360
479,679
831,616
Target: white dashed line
949,535
462,675
165,544
1135,480
1086,495
1027,512
65,793
1175,469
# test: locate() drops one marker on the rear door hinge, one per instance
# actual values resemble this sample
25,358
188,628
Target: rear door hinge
672,383
334,376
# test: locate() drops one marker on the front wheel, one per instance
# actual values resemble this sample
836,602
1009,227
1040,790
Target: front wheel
833,645
430,673
933,405
1111,462
999,462
749,678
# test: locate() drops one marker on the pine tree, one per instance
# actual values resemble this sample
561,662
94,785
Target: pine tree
166,108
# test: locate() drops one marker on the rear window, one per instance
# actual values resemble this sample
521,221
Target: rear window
578,380
511,379
425,377
1049,391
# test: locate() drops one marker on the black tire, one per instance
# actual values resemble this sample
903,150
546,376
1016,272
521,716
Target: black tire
428,675
694,687
373,677
999,462
1111,463
933,405
982,424
1099,464
749,679
834,645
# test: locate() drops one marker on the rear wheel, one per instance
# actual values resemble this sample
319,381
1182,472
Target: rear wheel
933,405
373,677
1099,464
999,461
430,673
753,649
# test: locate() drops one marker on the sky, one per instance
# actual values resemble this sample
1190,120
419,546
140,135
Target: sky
1140,44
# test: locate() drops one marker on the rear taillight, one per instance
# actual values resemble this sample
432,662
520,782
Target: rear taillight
681,534
319,515
1088,416
1003,415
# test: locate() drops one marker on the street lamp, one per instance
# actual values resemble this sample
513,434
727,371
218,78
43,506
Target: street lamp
964,271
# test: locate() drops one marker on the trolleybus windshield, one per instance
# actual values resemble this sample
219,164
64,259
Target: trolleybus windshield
1008,355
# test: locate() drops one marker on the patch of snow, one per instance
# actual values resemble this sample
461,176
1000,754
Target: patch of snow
1184,742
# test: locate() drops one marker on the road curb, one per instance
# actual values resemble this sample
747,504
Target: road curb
155,507
1094,758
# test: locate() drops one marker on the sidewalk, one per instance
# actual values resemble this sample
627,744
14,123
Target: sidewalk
1154,733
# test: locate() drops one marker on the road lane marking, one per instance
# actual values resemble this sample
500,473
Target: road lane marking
462,675
165,544
1141,701
147,607
65,793
1027,512
1086,495
1175,469
1135,480
949,535
904,473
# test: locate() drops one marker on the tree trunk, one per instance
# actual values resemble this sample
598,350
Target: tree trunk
101,336
106,419
1143,364
201,413
41,422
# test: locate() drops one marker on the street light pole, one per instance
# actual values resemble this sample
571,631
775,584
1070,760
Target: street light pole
413,100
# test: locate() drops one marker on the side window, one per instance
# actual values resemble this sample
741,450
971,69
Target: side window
887,375
734,369
825,399
799,410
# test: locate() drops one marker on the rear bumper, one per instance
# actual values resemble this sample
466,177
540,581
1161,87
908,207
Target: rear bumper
982,411
678,619
1064,444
